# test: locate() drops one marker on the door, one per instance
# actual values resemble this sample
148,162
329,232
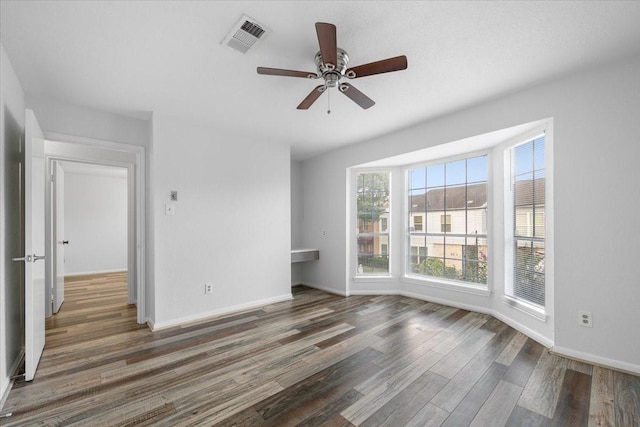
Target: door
34,244
60,242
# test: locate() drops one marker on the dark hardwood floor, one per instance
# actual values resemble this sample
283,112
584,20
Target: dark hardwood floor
317,360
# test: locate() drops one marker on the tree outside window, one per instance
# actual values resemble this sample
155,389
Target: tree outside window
373,223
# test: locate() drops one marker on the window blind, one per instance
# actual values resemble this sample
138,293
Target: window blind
528,179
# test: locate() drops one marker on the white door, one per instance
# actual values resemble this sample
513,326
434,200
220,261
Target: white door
60,242
34,244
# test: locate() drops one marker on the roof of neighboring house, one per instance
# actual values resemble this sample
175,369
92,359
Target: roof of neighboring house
526,189
473,196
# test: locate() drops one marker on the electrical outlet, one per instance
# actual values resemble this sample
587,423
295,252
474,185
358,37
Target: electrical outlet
208,288
585,318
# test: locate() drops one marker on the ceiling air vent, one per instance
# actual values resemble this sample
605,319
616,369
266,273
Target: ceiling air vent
244,34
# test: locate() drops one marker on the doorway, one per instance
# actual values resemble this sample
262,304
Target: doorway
67,150
89,224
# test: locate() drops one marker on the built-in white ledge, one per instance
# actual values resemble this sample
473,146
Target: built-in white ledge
301,255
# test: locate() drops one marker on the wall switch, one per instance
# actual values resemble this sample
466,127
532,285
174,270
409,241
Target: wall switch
208,288
169,209
585,318
173,196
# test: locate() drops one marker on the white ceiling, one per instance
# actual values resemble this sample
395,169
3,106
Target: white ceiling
165,56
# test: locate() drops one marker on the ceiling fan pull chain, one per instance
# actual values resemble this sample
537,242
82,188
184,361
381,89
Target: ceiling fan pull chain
328,101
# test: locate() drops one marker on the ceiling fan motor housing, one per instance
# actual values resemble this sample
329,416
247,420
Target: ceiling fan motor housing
331,75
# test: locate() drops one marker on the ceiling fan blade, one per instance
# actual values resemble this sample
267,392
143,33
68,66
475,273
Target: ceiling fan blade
286,73
356,96
384,66
328,43
311,98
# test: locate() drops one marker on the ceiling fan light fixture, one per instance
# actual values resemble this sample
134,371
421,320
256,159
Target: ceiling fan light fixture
331,79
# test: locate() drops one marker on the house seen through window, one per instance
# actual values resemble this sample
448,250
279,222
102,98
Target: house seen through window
452,199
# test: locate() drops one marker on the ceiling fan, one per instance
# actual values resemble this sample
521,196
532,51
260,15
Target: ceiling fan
331,63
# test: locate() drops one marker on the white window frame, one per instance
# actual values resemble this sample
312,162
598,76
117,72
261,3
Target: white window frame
505,149
353,227
441,282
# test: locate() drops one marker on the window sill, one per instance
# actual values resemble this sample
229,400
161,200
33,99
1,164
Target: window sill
372,279
531,310
449,285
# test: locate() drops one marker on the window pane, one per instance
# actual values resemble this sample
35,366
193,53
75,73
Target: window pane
456,172
417,200
524,222
418,252
435,246
523,191
529,272
538,188
431,267
373,255
435,175
417,178
453,249
523,156
477,221
451,269
477,169
435,199
456,197
474,266
477,195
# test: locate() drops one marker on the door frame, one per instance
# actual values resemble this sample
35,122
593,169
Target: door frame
60,147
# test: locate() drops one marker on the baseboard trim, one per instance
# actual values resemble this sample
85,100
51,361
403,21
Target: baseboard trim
541,339
366,292
326,289
605,362
216,313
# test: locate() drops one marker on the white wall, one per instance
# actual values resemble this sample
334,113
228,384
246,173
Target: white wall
12,106
95,220
596,128
58,117
297,216
232,221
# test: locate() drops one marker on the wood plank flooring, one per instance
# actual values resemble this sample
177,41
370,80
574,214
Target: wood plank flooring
317,360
